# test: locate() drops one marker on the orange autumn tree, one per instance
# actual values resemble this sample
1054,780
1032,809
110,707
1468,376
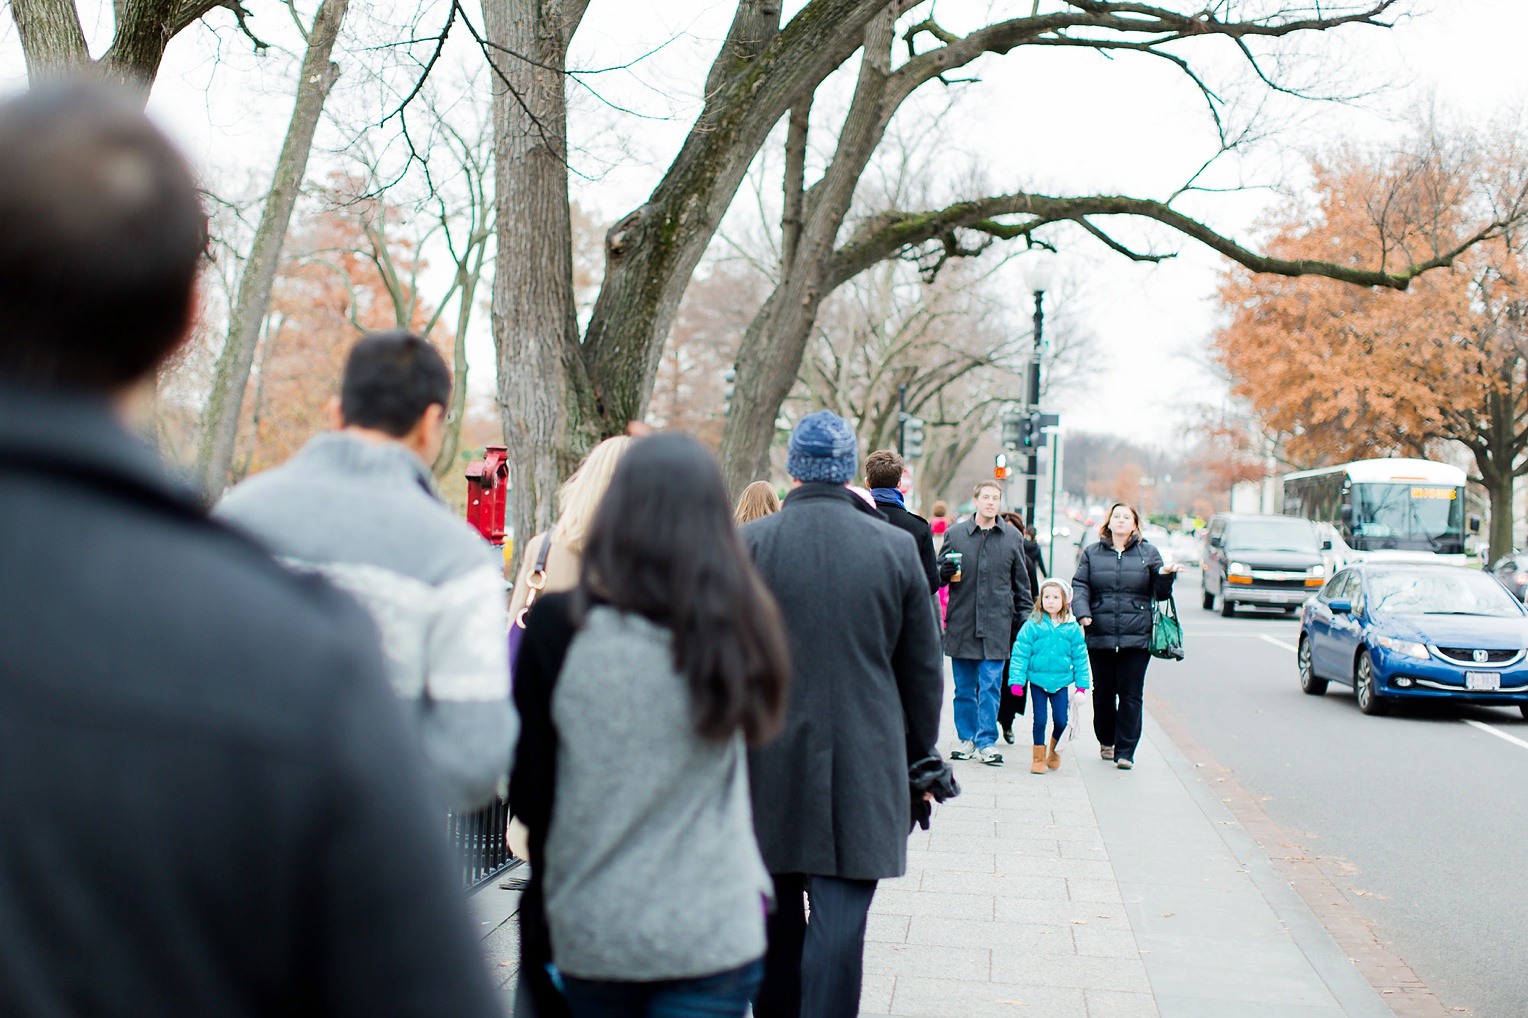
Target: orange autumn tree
1339,372
328,293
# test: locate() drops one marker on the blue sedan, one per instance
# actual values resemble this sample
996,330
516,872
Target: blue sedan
1404,631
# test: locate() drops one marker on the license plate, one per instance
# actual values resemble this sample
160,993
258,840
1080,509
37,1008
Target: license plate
1482,680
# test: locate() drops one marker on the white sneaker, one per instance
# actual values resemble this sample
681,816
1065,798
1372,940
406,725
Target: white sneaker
965,749
990,756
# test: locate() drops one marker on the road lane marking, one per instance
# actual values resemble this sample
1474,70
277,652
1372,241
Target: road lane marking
1496,732
1277,642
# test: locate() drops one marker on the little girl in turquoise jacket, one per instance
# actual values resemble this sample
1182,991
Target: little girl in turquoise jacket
1051,654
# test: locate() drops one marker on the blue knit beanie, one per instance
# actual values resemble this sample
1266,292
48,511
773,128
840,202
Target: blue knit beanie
822,448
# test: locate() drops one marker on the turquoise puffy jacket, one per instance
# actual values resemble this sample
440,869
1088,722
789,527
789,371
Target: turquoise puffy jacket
1050,656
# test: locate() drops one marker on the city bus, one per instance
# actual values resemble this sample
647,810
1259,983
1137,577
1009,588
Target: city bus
1386,508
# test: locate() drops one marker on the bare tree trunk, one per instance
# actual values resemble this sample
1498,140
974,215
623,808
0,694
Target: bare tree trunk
54,43
51,37
650,254
225,404
467,276
775,343
542,380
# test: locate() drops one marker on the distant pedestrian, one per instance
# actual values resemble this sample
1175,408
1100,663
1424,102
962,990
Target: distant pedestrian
551,559
1117,579
1032,549
983,563
883,472
758,500
939,523
1050,655
358,506
639,690
939,520
211,801
1012,697
831,796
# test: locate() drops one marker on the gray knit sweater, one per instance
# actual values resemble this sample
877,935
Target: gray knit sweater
365,515
652,870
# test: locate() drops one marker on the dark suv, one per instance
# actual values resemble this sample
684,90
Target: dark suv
1270,561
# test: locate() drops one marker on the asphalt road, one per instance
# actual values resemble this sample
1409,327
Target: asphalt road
1419,818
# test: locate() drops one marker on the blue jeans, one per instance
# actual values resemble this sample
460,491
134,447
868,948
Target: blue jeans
723,995
976,694
1043,700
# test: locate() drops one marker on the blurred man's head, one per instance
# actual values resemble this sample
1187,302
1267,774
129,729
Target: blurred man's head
883,469
397,385
101,234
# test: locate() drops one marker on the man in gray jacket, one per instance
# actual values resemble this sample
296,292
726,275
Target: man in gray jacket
989,592
358,505
831,801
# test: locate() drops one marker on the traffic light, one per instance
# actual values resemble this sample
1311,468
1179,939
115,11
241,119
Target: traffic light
1030,430
912,438
730,378
1000,468
1013,429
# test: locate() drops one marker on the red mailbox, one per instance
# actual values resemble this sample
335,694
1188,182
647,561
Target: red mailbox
488,494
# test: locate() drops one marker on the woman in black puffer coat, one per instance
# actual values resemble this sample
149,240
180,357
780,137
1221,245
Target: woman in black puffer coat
1116,581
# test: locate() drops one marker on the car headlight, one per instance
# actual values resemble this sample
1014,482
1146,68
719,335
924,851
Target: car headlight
1317,570
1409,648
1239,567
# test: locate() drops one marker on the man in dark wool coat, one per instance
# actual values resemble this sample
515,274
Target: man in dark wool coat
830,796
989,597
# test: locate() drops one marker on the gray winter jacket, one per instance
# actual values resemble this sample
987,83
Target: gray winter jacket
651,868
365,515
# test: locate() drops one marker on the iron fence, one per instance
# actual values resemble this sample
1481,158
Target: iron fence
478,838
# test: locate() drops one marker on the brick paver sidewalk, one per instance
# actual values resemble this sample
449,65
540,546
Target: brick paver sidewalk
1009,906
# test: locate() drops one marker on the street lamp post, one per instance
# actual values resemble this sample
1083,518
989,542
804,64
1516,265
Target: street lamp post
1039,281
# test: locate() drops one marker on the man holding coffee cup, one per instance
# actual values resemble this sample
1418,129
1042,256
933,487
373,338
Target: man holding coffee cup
982,562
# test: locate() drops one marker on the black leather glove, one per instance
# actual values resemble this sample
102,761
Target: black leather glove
946,570
930,776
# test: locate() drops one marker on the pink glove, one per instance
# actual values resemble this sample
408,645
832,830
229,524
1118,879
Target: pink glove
1016,690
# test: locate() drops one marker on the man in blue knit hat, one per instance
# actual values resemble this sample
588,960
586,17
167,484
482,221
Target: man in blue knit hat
830,795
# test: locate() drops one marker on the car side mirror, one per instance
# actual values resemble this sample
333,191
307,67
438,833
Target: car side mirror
1474,524
1346,513
1340,605
1326,545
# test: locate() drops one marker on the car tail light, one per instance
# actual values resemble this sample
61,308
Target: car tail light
1520,578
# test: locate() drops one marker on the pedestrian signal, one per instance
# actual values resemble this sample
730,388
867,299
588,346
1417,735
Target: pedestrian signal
912,438
1000,469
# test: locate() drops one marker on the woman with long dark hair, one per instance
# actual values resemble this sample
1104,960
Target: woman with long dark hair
638,692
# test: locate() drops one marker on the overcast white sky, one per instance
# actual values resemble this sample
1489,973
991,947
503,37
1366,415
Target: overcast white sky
1064,121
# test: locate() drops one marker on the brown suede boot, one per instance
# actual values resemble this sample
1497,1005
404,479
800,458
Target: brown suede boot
1038,764
1053,759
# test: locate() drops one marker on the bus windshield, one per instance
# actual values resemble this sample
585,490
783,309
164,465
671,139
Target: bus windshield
1407,515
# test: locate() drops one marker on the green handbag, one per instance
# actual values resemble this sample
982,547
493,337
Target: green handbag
1166,631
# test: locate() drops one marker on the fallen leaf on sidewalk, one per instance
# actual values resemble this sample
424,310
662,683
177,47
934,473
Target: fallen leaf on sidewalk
1079,922
1019,1003
1168,915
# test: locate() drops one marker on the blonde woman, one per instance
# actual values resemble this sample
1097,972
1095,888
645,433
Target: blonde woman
578,498
758,500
